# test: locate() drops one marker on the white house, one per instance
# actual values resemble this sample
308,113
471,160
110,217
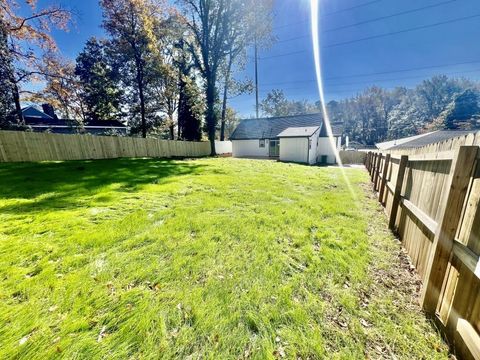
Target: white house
299,138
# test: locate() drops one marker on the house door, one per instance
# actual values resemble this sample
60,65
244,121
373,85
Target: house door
274,148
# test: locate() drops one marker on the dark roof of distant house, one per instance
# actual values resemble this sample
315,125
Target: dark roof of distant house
37,118
270,128
432,138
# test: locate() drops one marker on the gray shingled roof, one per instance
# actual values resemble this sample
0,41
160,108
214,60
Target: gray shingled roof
432,138
270,128
337,129
299,131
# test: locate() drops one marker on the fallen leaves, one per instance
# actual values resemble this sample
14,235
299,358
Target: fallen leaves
365,323
103,333
279,353
24,339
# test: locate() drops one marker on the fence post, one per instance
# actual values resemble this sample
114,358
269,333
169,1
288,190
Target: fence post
451,211
383,183
377,171
367,159
374,159
398,190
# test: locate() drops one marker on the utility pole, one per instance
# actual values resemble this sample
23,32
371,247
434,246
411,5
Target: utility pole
256,76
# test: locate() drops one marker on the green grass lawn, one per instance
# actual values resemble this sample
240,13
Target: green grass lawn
201,259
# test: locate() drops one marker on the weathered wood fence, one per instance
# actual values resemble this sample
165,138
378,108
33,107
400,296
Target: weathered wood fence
31,146
432,201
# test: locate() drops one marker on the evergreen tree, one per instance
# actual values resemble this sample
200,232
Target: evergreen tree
100,81
190,109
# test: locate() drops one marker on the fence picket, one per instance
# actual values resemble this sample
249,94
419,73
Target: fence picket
383,183
451,210
398,189
25,146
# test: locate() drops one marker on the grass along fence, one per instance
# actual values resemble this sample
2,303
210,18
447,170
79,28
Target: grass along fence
432,200
30,146
352,157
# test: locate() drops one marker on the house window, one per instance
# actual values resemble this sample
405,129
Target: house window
262,143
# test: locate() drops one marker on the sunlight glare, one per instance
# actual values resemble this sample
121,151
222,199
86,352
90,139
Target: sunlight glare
314,9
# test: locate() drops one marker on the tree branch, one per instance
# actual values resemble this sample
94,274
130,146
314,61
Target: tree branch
43,13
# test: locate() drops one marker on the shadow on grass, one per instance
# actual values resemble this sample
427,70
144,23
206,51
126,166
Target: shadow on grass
62,184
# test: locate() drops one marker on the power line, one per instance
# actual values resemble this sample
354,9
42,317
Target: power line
377,36
382,80
404,78
379,73
352,8
403,70
391,16
373,20
402,31
282,55
291,39
329,14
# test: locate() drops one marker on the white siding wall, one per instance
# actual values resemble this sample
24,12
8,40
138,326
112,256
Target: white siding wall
324,148
223,147
249,148
294,149
312,159
291,149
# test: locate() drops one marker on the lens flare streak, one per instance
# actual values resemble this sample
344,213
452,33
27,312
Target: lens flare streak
314,9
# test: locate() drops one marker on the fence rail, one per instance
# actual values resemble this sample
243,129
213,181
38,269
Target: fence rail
30,146
432,200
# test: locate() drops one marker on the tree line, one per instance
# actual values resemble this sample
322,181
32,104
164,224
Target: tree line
165,69
377,114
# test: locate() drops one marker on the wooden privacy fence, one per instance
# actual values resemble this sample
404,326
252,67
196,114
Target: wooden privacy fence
30,146
432,201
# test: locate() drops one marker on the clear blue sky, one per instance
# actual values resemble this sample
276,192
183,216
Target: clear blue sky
454,42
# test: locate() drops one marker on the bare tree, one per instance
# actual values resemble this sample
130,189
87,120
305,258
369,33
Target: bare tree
218,27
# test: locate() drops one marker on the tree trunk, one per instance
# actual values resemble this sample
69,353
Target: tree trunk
142,111
171,129
139,66
225,94
18,106
210,113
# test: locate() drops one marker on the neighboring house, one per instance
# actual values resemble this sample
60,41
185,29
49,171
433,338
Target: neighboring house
46,120
391,143
298,138
423,139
